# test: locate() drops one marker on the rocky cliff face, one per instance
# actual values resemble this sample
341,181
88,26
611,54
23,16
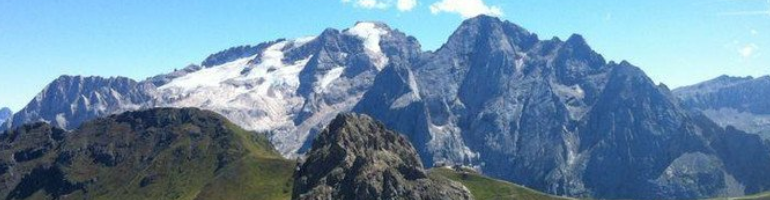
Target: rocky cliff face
358,158
740,102
71,100
5,114
553,115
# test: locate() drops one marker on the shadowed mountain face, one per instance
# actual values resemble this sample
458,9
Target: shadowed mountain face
358,158
549,114
153,154
555,116
732,101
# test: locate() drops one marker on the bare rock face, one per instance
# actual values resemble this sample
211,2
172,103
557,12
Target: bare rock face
358,158
556,116
5,113
740,102
69,101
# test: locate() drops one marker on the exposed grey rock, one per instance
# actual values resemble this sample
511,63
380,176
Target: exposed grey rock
165,78
235,53
358,158
732,101
5,114
555,116
71,100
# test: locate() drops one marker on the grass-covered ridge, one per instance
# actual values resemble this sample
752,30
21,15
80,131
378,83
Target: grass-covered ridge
484,188
153,154
761,196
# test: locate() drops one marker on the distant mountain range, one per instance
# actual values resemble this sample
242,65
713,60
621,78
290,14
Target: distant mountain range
553,115
69,101
741,102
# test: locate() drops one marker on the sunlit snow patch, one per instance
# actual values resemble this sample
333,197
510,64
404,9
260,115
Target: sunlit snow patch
371,34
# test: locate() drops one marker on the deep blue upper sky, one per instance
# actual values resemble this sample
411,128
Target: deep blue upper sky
677,42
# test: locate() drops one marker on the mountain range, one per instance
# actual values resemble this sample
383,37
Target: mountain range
549,114
740,102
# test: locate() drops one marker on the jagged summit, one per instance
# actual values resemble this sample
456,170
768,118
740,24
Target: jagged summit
70,100
358,158
362,135
719,83
378,24
740,102
578,42
491,33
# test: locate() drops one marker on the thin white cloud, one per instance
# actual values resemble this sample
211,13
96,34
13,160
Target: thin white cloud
406,5
368,4
749,50
465,8
371,4
401,5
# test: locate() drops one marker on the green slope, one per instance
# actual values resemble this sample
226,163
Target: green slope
762,196
484,188
153,154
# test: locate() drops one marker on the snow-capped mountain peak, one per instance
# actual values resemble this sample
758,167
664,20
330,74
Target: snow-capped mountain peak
259,91
291,88
371,33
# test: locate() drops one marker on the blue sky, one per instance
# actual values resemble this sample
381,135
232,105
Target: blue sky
677,42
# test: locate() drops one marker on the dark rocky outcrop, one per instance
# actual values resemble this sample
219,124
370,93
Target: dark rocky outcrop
358,158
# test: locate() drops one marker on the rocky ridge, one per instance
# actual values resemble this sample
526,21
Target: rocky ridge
358,158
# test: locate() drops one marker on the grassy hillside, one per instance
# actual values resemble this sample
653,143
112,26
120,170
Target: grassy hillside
154,154
484,188
763,196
